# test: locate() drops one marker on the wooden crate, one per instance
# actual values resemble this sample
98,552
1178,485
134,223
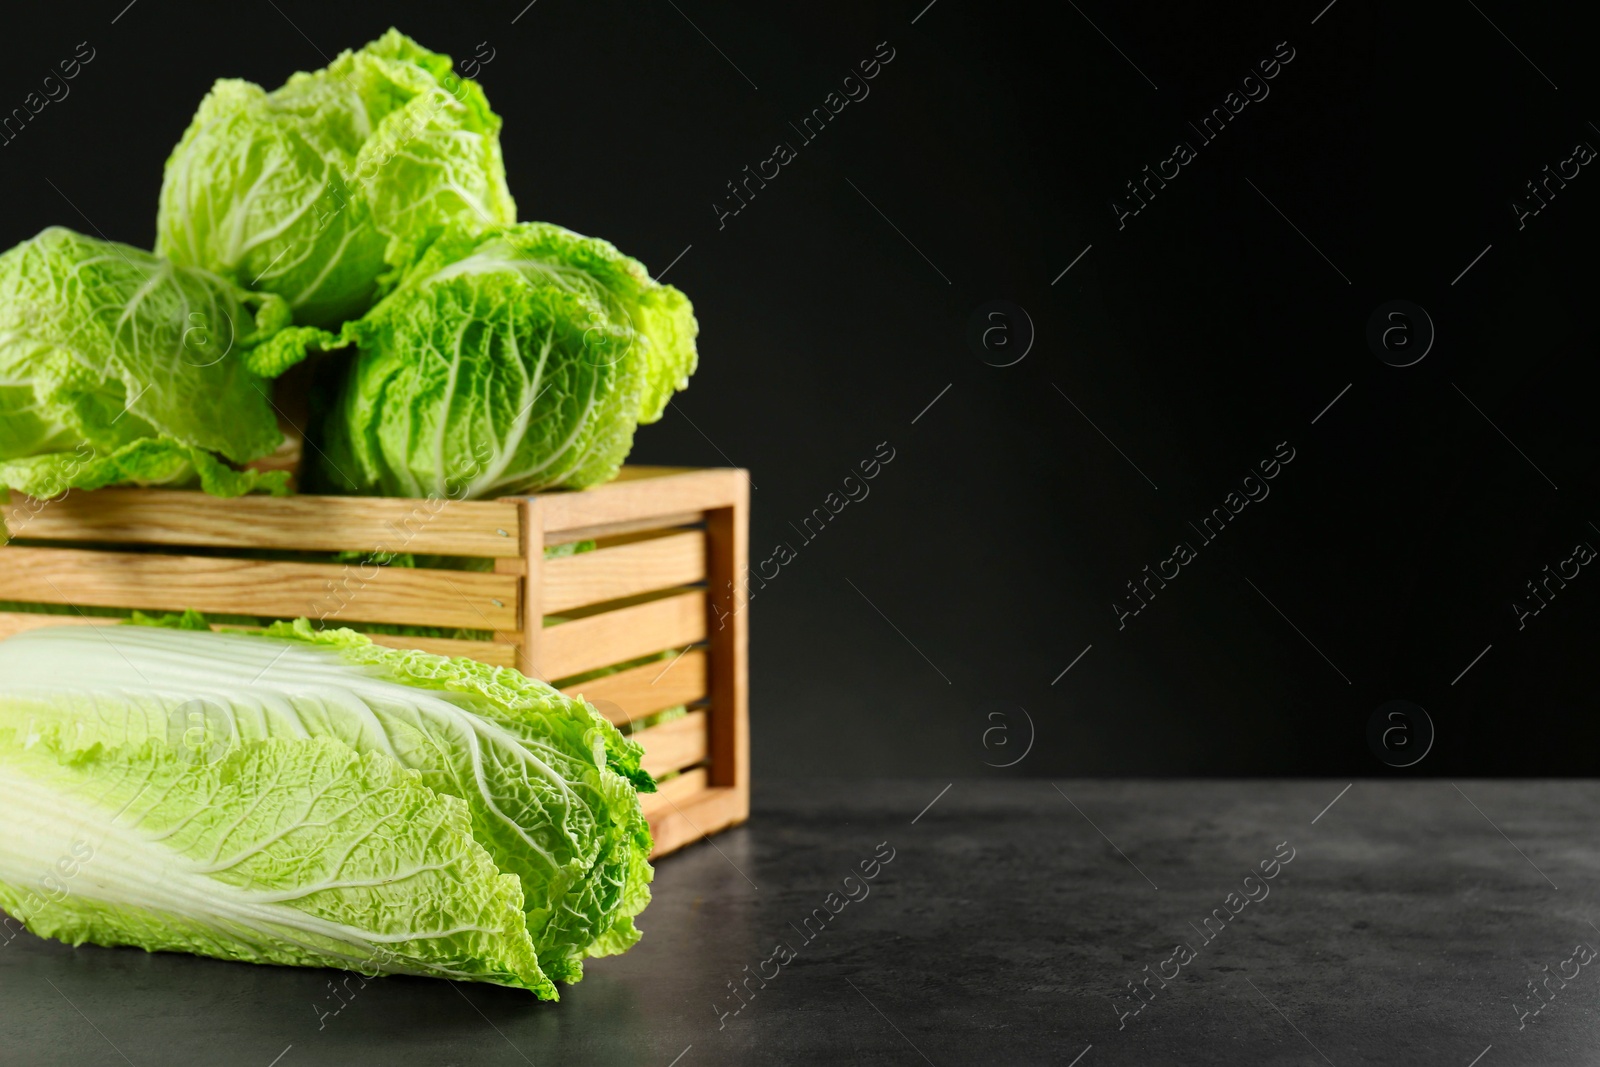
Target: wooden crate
667,576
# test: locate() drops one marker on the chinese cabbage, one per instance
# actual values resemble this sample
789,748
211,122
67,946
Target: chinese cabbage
549,785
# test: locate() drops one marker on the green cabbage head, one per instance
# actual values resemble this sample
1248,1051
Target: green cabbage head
315,190
119,367
508,360
309,797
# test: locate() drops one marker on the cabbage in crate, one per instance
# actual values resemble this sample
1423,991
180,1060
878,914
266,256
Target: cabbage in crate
316,189
310,797
117,366
506,360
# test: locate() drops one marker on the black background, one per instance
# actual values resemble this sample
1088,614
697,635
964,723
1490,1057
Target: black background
1196,338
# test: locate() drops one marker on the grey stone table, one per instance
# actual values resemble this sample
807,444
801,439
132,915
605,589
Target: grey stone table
1004,928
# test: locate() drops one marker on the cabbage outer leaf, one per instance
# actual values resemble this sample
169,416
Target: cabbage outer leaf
549,784
118,366
148,461
509,360
317,190
283,851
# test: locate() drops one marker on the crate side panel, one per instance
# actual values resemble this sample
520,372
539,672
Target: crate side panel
687,821
494,653
596,641
673,791
646,689
305,523
641,497
15,622
674,745
490,652
221,585
625,570
616,529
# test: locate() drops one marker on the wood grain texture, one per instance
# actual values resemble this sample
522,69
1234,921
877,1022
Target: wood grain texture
309,523
728,537
634,472
529,568
646,689
219,585
627,570
494,653
601,640
15,622
490,652
617,529
674,745
673,791
642,493
683,822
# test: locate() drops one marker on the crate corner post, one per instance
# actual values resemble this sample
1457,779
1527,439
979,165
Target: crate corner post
527,565
728,549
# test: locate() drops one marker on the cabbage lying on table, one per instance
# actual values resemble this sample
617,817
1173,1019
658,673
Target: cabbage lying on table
309,797
298,852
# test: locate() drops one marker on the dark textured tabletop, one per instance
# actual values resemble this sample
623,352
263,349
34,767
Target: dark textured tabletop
1402,923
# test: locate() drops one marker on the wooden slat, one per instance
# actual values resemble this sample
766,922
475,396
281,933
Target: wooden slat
728,532
646,689
634,472
624,571
494,653
642,493
617,529
674,745
15,622
617,636
310,523
221,585
715,809
677,790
